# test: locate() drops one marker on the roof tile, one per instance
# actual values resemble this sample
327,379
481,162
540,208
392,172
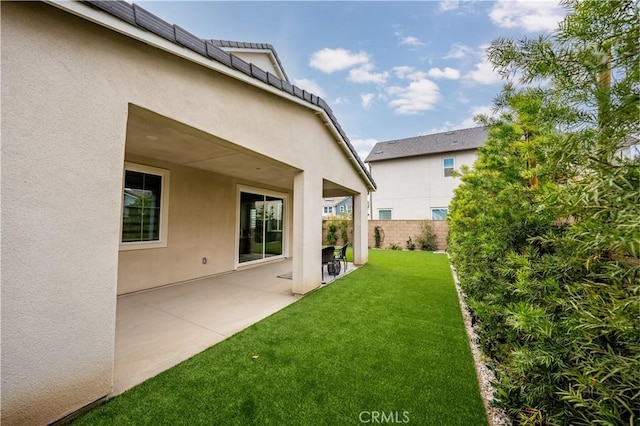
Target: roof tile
258,73
274,81
214,52
190,41
240,65
121,9
287,87
152,23
457,140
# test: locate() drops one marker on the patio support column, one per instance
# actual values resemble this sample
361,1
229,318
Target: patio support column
360,229
307,232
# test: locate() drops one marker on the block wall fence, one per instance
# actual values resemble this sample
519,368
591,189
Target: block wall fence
398,232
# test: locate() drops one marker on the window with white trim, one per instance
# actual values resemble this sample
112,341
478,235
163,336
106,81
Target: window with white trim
384,214
448,165
439,213
144,207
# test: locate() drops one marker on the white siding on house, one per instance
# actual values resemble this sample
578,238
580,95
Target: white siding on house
412,186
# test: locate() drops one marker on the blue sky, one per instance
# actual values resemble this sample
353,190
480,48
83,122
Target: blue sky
389,70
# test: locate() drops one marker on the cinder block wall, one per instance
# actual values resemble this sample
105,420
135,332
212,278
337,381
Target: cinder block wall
340,242
399,231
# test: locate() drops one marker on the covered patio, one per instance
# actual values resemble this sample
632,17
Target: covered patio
159,328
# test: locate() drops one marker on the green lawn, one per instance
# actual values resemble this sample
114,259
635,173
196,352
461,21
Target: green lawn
387,339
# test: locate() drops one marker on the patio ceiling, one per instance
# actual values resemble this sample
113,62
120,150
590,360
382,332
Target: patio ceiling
155,136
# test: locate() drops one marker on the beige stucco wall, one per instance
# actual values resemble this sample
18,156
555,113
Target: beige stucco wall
61,179
201,224
66,88
411,187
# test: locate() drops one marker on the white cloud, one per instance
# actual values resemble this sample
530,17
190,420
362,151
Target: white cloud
458,51
402,71
526,14
419,96
332,60
466,123
365,74
363,146
366,99
411,41
446,5
309,85
483,74
409,73
477,110
340,100
449,73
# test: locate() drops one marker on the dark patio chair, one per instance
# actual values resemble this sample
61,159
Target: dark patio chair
341,255
328,259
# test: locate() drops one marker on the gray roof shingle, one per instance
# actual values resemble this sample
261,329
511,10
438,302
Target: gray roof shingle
437,143
140,17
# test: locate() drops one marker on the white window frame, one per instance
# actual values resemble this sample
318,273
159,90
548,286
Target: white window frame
444,168
386,210
439,208
164,207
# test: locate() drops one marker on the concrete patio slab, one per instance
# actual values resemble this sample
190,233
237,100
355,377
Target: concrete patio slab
160,328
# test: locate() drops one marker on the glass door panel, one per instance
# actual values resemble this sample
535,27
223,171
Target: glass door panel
251,227
273,226
261,227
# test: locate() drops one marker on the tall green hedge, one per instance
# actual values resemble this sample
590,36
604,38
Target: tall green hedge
544,229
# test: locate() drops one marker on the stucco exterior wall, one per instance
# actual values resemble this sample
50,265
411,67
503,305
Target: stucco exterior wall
411,187
61,182
201,224
66,89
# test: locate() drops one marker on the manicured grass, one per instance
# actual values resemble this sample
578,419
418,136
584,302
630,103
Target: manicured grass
387,338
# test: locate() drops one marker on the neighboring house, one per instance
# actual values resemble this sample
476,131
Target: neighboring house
131,151
415,176
337,206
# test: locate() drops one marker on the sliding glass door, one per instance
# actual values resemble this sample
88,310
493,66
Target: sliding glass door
261,226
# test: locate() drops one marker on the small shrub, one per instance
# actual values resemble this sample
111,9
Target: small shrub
332,236
344,226
427,238
395,246
411,245
378,234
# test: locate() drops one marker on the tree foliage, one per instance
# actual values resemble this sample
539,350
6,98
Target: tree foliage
544,230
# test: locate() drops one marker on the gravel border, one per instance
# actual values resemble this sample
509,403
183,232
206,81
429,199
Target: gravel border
497,416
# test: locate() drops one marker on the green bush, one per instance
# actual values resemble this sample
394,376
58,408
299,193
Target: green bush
544,230
411,245
395,246
332,236
427,238
378,235
344,227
